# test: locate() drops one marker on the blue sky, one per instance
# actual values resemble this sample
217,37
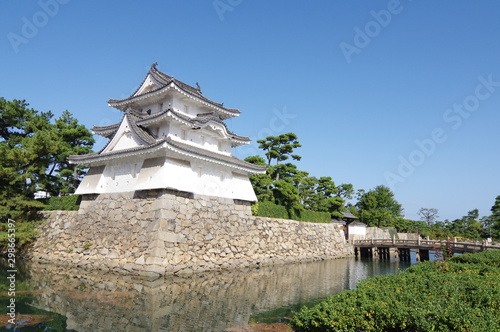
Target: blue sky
401,93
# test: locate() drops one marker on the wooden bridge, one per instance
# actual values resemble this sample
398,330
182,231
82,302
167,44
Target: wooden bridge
385,248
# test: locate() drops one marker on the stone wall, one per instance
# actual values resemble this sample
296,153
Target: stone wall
379,233
163,232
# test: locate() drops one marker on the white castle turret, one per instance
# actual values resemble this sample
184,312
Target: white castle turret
170,137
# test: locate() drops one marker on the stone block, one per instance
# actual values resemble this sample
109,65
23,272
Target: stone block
167,236
153,226
155,269
154,260
129,206
165,214
158,252
140,260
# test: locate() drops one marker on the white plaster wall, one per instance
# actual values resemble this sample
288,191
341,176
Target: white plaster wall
357,230
211,142
241,188
174,174
155,108
167,102
178,174
174,130
164,130
126,141
225,147
147,82
179,104
119,177
123,138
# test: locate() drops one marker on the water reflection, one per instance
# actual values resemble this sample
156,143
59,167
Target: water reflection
212,301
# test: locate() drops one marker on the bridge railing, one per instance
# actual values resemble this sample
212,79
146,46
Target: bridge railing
425,244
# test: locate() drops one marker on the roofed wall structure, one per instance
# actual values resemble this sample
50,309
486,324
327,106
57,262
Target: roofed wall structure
170,137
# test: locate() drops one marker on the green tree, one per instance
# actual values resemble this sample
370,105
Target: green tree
280,148
26,142
440,230
261,182
468,226
328,199
378,207
74,139
345,191
495,218
287,195
307,191
411,226
33,154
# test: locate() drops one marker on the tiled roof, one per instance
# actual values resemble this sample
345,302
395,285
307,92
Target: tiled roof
142,132
103,129
164,81
207,117
214,156
349,215
175,146
96,156
198,121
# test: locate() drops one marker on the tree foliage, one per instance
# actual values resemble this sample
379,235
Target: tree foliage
280,147
468,226
34,153
378,207
495,218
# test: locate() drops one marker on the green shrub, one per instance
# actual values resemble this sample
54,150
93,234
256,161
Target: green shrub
314,216
488,257
422,298
271,210
68,203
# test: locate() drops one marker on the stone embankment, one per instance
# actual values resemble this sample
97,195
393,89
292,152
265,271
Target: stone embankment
164,232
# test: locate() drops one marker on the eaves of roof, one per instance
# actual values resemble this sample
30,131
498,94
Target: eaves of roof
175,146
165,82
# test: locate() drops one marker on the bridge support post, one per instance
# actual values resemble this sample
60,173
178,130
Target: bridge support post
393,252
383,253
404,254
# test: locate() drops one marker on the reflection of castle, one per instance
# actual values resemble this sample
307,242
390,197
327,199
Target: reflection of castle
212,301
171,136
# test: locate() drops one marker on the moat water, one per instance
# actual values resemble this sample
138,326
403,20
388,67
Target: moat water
53,298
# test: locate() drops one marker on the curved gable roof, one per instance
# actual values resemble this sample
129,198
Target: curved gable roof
163,82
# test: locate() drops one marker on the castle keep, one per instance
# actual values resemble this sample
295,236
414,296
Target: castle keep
170,137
